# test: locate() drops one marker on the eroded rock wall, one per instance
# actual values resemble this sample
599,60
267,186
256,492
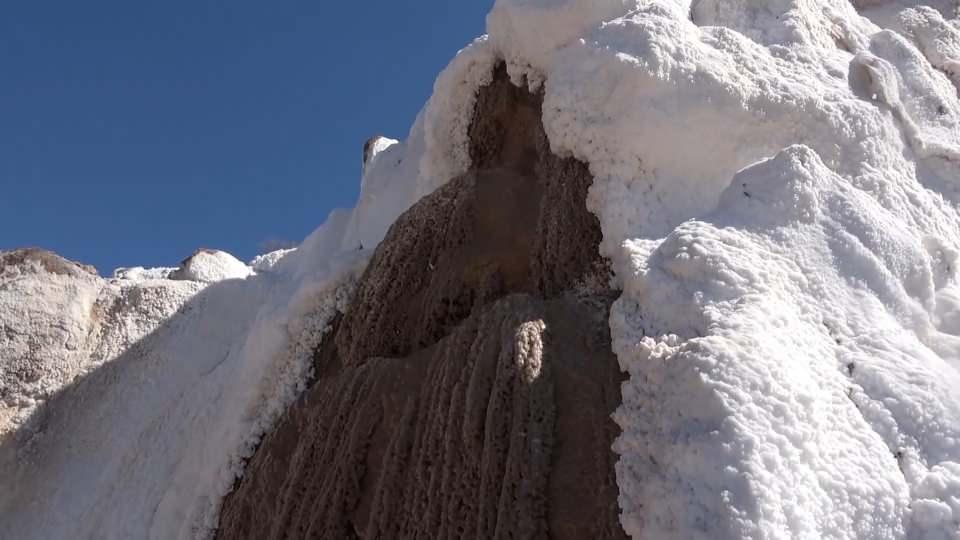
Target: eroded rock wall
468,389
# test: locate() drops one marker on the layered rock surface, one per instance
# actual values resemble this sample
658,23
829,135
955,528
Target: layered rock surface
467,391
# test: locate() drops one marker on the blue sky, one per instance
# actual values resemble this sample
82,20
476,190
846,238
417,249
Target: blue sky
132,133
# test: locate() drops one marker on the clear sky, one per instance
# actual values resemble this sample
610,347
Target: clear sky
132,133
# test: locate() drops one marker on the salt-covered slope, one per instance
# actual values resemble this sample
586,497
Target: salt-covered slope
129,403
61,320
143,434
148,442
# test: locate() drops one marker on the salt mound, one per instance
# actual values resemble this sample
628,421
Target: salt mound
210,266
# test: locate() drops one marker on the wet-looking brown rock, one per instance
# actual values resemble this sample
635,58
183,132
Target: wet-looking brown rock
467,391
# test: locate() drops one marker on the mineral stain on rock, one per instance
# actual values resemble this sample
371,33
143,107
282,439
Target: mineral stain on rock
467,391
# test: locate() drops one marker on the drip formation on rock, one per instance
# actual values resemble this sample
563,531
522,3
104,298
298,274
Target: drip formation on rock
467,390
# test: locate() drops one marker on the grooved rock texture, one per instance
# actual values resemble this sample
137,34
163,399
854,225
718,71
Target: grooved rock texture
467,391
516,222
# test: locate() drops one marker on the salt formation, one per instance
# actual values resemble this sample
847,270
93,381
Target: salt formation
209,266
171,373
60,321
266,261
776,184
777,188
139,396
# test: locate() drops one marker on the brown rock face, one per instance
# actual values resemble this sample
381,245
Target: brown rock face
516,222
466,393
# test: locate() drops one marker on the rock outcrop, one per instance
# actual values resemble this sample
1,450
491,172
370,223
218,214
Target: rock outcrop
32,260
59,320
467,391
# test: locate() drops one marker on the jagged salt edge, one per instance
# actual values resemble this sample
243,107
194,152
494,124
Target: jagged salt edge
938,39
448,113
311,312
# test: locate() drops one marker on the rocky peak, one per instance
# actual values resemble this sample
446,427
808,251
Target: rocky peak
25,259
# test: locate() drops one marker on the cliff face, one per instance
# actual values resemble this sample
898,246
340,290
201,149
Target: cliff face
467,391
